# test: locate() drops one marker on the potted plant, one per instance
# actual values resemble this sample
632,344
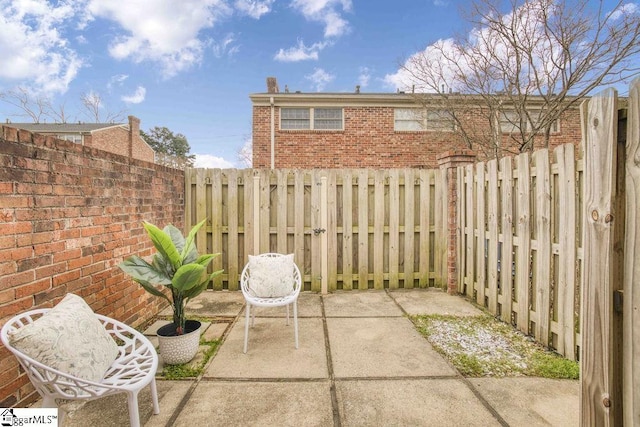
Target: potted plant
178,267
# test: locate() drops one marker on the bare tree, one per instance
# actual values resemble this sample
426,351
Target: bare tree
32,106
93,108
245,154
38,107
526,67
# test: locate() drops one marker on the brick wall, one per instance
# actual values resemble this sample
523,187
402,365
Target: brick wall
368,140
68,215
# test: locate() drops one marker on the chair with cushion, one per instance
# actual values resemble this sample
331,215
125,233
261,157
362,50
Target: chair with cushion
72,354
270,280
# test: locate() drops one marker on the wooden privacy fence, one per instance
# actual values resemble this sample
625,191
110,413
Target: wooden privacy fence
348,229
520,252
551,244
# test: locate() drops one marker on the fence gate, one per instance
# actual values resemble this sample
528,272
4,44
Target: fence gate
348,228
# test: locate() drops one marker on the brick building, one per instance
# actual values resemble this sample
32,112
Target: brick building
372,130
118,138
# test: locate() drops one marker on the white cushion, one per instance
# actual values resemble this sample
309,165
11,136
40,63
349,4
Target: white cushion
69,338
271,277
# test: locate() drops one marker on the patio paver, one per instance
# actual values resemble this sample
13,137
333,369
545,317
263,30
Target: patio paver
426,301
432,402
272,352
382,347
292,404
360,304
532,401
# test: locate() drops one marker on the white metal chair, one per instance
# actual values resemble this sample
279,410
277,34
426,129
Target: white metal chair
253,299
134,368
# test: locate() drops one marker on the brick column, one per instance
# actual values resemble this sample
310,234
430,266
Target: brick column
448,162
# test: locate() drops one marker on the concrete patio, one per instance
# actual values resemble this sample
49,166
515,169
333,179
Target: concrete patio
360,363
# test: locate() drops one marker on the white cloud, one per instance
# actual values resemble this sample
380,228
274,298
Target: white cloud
137,97
32,48
320,78
162,31
404,79
116,80
225,46
440,3
325,12
625,9
301,52
210,161
364,77
254,8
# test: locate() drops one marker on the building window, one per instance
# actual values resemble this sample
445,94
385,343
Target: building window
311,119
71,137
510,123
415,119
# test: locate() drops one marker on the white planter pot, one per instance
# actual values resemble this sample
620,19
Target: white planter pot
178,349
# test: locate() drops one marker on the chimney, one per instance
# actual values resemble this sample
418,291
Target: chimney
134,132
272,85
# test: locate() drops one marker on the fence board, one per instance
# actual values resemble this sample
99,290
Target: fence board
215,221
332,227
631,315
347,230
543,246
597,387
440,223
394,227
469,229
492,222
506,259
298,223
234,265
424,218
264,215
363,229
481,226
523,264
281,209
565,157
408,208
378,230
316,260
460,230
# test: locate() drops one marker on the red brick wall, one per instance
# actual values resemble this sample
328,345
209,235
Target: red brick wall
368,140
68,215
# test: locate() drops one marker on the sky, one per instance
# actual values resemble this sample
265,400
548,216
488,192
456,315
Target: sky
190,65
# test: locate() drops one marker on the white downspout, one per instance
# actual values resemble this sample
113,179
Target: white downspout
273,135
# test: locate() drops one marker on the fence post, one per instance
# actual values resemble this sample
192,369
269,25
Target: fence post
631,314
600,385
449,162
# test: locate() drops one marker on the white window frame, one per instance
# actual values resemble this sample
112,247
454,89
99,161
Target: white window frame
419,119
73,137
313,121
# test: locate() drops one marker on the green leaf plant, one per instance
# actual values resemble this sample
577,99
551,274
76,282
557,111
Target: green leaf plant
176,265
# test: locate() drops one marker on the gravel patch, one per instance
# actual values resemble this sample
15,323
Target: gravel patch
482,346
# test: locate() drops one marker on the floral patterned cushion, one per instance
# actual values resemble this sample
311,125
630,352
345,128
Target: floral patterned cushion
69,338
271,277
